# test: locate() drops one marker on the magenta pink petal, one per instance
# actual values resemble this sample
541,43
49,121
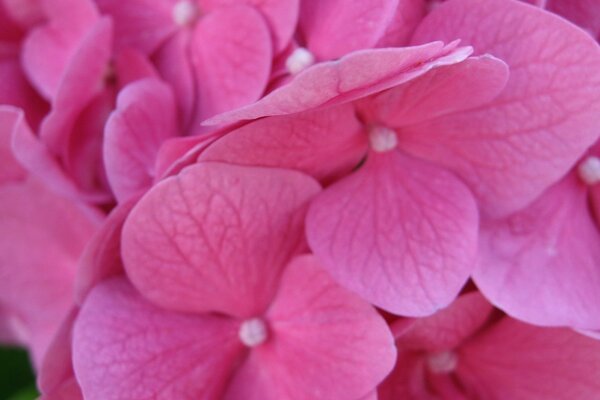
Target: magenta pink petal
322,143
541,264
131,65
548,110
407,17
314,325
140,24
144,118
441,91
400,232
126,348
407,380
231,54
334,28
523,362
353,76
48,50
449,327
177,153
281,15
216,236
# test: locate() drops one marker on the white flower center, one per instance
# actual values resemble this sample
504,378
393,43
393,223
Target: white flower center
382,139
185,12
589,170
443,362
299,60
253,332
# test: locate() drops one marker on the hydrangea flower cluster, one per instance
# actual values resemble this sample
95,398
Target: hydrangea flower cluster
302,199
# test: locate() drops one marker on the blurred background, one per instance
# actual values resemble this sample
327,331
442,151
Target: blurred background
16,376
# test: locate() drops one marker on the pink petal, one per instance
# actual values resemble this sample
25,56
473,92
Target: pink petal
282,16
315,324
81,83
101,257
400,232
180,152
522,362
140,24
216,236
41,238
124,347
408,379
407,17
531,262
131,65
174,65
231,54
334,28
144,118
10,169
48,50
585,13
449,327
304,141
15,90
441,91
56,376
354,76
533,132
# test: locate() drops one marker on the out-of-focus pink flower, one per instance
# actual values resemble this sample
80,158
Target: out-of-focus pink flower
401,230
467,352
42,236
226,307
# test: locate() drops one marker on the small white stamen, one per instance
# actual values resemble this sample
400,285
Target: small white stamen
185,12
299,60
253,332
589,170
443,362
382,139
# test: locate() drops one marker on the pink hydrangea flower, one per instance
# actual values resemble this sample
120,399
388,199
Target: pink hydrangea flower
408,243
470,351
225,306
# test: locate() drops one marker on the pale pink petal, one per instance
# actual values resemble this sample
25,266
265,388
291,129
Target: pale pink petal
41,238
216,236
144,118
541,264
48,50
322,143
313,325
528,137
231,53
353,76
334,28
407,16
281,15
522,362
449,327
126,348
400,232
441,91
140,24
